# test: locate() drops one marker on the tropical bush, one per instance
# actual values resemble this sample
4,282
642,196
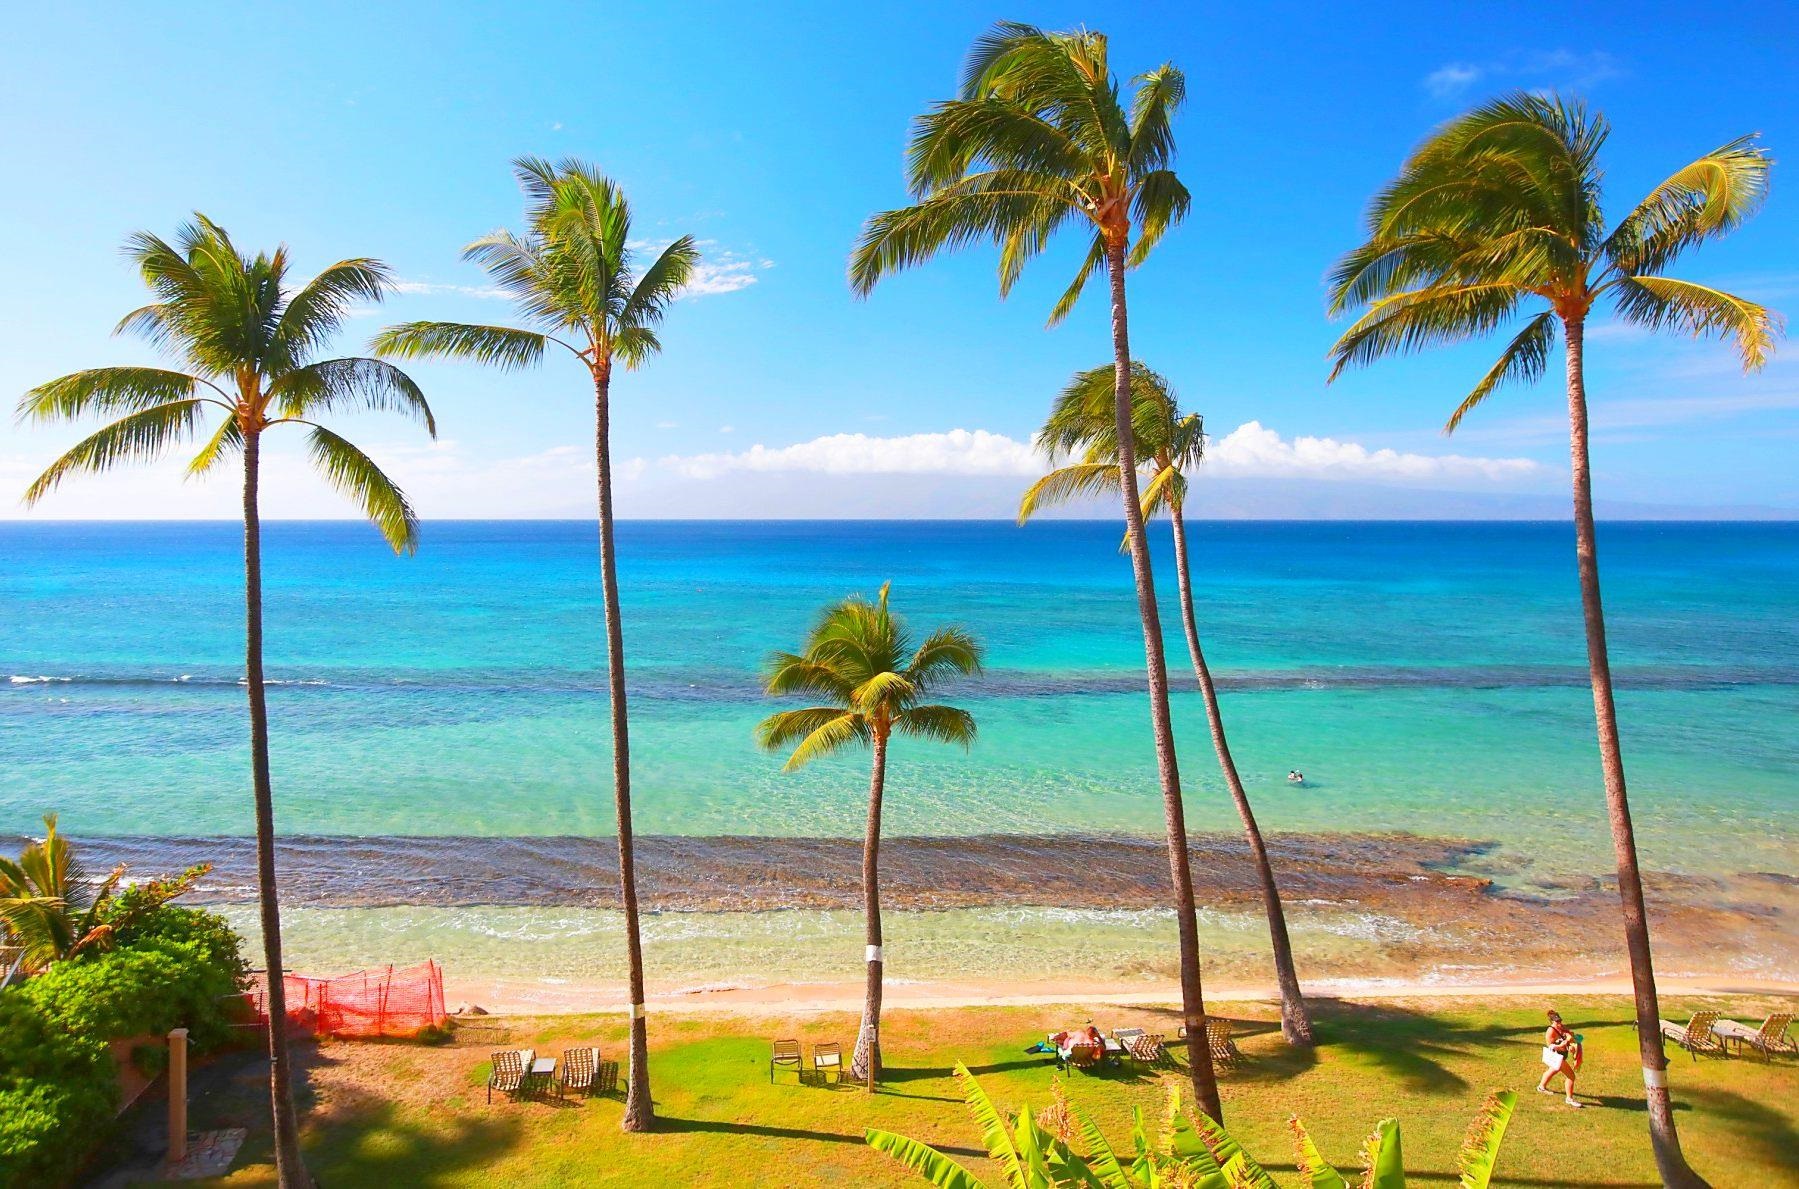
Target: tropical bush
1193,1151
163,967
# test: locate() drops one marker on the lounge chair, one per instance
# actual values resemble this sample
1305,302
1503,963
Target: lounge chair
1697,1037
1146,1047
1767,1040
578,1071
1218,1039
1083,1056
827,1061
786,1052
510,1067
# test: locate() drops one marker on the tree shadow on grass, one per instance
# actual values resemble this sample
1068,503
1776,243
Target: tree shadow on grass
1756,1124
672,1125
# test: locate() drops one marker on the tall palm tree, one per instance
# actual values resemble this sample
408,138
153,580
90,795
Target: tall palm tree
1498,212
251,347
1081,427
1039,138
860,661
573,276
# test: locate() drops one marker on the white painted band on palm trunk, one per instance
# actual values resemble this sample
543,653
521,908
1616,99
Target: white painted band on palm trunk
874,953
637,1012
1655,1079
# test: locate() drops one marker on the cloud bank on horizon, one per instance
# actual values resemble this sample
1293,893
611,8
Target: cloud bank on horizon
1252,450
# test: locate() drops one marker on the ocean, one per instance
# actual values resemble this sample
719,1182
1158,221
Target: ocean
1428,678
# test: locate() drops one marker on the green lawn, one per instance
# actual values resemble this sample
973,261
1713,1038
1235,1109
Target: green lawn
393,1115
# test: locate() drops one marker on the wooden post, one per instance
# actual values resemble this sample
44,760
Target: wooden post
177,1096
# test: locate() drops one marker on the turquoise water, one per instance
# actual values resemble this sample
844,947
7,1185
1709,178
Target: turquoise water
1426,677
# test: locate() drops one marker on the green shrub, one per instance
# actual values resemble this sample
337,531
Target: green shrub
54,1085
161,968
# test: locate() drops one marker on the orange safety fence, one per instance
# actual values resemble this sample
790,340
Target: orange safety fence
363,1003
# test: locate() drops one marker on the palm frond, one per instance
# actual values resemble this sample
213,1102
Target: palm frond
1421,318
314,315
1523,361
1166,489
1702,200
497,346
1065,484
106,390
940,724
355,474
137,437
821,731
226,440
1160,202
1071,296
785,673
336,384
661,283
1664,303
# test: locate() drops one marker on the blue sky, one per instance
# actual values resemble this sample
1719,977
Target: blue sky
770,132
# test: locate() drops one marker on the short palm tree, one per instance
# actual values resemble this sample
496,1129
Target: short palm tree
1037,140
574,279
1081,428
1499,212
251,346
860,662
49,905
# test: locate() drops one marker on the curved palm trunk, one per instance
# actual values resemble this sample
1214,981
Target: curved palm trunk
866,1064
290,1169
1193,1005
1665,1140
1296,1022
640,1111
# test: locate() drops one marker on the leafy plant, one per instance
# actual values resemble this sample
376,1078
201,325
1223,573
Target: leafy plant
1192,1152
49,905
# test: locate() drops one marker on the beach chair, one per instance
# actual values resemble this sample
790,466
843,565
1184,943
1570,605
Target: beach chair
579,1071
827,1062
1083,1056
509,1069
1218,1039
786,1052
1147,1047
1697,1036
1767,1040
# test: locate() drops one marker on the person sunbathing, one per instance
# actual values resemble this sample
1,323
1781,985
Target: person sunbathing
1563,1052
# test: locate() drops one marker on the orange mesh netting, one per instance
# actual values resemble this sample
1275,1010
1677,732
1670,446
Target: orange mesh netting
384,1002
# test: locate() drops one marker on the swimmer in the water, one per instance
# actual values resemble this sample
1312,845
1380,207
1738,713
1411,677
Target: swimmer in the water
1296,777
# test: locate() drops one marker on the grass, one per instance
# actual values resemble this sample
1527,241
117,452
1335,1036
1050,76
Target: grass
396,1114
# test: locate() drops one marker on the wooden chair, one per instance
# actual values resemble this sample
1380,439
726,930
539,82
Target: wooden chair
510,1067
827,1062
1767,1040
1218,1039
1697,1037
786,1052
1083,1056
578,1072
1147,1048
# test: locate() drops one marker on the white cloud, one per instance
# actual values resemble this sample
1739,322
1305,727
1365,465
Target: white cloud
958,452
1253,450
1447,82
723,272
1559,69
433,289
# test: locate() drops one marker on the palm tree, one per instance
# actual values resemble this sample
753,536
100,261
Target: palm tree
1498,212
573,277
860,661
1081,427
50,907
251,346
1038,138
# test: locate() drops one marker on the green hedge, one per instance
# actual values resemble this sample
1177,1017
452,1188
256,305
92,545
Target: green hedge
168,968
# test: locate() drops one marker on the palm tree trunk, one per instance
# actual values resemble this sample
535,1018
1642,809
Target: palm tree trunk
1663,1137
1193,1005
640,1110
290,1168
1296,1022
866,1064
